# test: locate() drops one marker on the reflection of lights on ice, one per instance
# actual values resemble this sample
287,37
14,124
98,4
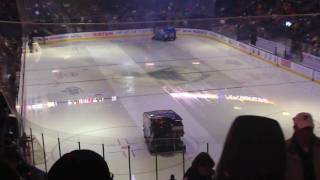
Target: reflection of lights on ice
70,103
129,77
51,104
248,99
42,106
195,63
85,101
216,96
66,57
194,95
55,71
149,64
286,113
237,108
35,106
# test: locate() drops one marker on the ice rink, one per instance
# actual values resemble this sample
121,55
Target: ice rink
94,92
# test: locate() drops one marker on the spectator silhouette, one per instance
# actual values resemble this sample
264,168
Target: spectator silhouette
254,150
21,168
303,150
7,172
80,165
172,177
201,168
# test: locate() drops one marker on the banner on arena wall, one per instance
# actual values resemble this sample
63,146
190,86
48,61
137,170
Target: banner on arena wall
227,40
102,34
56,37
285,63
94,34
132,31
302,70
184,30
63,37
178,30
188,30
199,31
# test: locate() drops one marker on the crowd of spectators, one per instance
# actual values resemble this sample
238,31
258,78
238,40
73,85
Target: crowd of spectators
10,48
301,30
254,149
111,12
117,11
10,61
13,165
260,8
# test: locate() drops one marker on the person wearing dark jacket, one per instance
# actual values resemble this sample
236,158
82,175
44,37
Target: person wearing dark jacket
303,150
201,168
254,150
23,170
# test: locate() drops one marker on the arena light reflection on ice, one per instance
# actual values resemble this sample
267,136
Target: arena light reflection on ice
149,64
85,101
286,113
55,71
237,108
53,104
67,57
41,106
228,97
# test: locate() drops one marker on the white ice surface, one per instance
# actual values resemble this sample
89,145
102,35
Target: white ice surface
142,73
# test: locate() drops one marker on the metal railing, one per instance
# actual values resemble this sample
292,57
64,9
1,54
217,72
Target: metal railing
157,165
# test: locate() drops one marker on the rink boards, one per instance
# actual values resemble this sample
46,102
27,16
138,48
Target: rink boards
298,69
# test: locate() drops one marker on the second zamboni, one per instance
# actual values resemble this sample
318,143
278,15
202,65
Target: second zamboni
167,33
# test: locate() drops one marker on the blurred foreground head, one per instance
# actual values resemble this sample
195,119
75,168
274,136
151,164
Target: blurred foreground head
80,165
204,164
303,120
254,150
303,128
